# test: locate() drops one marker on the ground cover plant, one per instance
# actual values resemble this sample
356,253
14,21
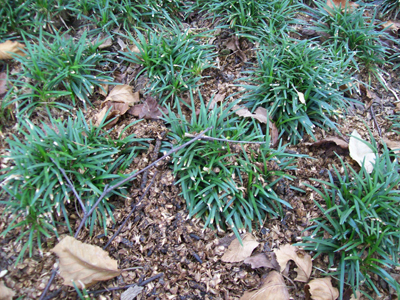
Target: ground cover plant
222,182
278,86
299,84
359,229
38,189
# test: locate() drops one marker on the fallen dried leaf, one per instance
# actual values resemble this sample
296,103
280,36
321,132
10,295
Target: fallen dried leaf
84,264
148,110
236,252
260,260
330,139
233,44
260,114
132,292
124,94
5,292
351,6
302,260
360,152
216,99
393,145
8,48
3,83
273,288
322,289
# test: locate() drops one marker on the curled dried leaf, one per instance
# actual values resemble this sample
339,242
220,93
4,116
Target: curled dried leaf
236,252
260,260
302,260
5,292
360,152
273,288
322,289
84,264
8,48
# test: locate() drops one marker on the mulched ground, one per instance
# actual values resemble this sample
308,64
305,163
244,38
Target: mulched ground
160,238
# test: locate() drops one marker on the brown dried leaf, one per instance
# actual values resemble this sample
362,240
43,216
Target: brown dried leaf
302,260
148,110
260,114
330,139
273,288
5,292
393,145
84,264
322,289
351,6
123,93
8,48
360,152
233,44
260,260
236,252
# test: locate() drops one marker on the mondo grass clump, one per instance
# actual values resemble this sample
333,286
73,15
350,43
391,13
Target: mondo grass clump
57,70
39,193
390,8
360,227
350,30
229,184
173,60
300,84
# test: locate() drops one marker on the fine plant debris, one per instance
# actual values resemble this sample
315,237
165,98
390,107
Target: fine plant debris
233,149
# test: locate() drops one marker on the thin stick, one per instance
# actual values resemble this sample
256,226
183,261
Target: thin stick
153,158
71,186
128,286
209,138
109,189
131,212
375,121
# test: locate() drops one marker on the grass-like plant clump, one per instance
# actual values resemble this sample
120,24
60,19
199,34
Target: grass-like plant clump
353,31
299,83
360,227
390,8
38,191
54,67
228,184
173,60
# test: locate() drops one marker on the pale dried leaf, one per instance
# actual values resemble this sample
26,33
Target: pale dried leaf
123,93
3,83
8,48
358,295
5,292
301,97
260,260
148,110
302,260
273,288
216,99
106,43
236,252
360,152
131,293
322,289
393,145
84,264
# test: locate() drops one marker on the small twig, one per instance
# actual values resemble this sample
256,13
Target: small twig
208,138
109,189
389,88
375,121
153,158
127,286
131,212
71,186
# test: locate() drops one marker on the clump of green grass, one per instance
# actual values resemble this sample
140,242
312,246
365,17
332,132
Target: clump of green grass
390,8
355,32
251,16
359,229
298,82
173,60
54,67
38,191
228,184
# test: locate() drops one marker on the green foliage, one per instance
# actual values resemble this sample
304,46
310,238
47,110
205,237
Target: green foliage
228,184
173,60
57,66
250,15
37,187
390,8
355,32
360,227
294,67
